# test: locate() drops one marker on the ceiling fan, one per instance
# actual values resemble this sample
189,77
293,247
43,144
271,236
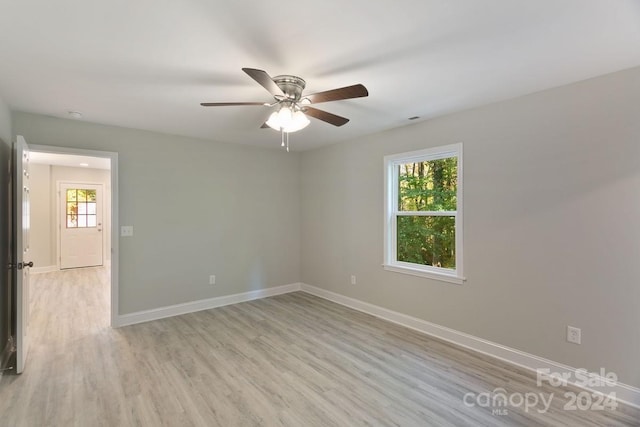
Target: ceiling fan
292,107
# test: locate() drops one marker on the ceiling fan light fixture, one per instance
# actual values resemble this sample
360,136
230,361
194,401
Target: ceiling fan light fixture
287,121
274,121
299,121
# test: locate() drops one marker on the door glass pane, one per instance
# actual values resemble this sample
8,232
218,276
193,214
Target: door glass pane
82,195
71,195
91,221
91,208
82,221
71,221
427,240
72,208
91,195
82,208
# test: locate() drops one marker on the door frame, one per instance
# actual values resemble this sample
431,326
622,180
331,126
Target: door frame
59,205
115,242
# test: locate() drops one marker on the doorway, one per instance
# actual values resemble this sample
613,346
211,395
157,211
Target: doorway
26,176
81,208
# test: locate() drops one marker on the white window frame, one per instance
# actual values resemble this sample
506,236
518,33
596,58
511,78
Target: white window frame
391,263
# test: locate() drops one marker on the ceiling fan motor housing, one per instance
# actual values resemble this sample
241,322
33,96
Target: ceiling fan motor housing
292,86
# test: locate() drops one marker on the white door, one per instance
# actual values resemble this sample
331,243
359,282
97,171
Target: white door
22,215
80,225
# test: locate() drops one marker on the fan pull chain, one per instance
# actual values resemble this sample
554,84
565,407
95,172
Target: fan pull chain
285,139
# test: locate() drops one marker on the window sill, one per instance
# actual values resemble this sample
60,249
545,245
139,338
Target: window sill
428,274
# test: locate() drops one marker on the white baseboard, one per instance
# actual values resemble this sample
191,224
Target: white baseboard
623,392
205,304
45,269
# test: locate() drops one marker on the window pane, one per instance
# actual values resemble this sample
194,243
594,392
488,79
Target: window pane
91,208
71,195
82,195
71,221
428,186
82,221
91,221
427,240
82,208
91,195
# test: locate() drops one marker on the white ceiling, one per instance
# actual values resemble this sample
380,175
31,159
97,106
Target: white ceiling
71,160
148,64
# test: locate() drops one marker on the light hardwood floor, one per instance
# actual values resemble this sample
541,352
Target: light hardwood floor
293,360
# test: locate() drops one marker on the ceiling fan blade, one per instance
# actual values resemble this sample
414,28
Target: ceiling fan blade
325,117
264,80
228,104
355,91
264,126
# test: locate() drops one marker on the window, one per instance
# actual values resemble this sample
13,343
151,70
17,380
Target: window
81,208
423,213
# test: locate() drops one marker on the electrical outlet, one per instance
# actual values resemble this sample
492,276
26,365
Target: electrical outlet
353,279
212,280
574,334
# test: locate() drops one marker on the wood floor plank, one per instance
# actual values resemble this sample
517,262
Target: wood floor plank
290,360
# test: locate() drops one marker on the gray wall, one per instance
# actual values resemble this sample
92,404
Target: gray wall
551,223
198,208
5,123
43,182
5,278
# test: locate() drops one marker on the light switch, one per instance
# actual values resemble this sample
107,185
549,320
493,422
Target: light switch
126,231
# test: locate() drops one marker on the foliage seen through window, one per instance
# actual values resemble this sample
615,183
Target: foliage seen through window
427,186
